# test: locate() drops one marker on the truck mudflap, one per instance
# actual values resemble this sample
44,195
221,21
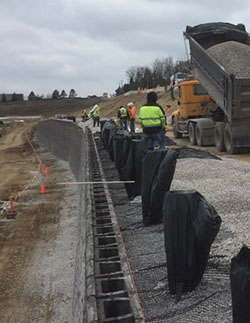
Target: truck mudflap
237,136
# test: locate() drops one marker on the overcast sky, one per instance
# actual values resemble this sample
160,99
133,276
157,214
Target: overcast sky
89,45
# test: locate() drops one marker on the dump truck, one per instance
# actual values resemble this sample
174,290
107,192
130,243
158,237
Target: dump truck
220,55
194,109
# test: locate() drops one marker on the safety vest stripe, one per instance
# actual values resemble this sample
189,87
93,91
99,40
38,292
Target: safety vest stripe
152,126
152,118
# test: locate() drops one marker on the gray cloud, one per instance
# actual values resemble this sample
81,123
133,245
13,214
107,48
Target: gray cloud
89,45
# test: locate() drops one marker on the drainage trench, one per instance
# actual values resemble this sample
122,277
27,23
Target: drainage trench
116,299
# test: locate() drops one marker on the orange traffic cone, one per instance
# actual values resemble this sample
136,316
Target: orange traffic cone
46,171
43,189
11,204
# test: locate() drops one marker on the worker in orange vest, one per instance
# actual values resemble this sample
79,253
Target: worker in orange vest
132,116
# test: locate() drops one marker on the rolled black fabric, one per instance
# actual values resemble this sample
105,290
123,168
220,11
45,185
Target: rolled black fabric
161,184
139,151
240,286
121,142
112,132
105,132
150,166
102,122
190,226
132,169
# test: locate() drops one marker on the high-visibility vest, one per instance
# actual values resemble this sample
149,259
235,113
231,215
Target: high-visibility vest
151,116
123,113
96,113
132,112
84,113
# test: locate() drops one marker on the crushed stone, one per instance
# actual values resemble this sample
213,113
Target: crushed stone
233,56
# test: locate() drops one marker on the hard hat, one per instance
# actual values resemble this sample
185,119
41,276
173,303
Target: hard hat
130,104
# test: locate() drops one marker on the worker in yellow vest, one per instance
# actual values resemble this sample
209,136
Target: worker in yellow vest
123,116
153,122
96,116
84,115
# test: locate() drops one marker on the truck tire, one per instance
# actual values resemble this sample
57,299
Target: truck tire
229,141
219,136
204,132
191,133
177,134
198,134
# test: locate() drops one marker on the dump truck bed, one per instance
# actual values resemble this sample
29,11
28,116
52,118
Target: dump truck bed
230,91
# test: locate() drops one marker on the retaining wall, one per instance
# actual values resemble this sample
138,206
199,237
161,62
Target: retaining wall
68,142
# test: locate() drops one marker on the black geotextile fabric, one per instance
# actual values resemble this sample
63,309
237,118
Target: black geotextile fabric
240,285
190,226
127,151
132,170
106,128
112,133
102,123
147,258
210,34
158,169
120,148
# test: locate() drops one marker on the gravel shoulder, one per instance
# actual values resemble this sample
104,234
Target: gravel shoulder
224,183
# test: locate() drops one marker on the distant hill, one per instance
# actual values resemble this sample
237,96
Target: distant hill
73,107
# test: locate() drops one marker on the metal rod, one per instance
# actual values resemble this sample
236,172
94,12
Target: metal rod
100,182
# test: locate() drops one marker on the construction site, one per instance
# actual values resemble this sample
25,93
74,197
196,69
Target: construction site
90,230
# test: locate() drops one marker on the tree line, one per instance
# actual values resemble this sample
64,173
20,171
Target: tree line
151,76
158,74
55,95
11,97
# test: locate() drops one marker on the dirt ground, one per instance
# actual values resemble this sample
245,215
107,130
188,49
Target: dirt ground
30,264
27,272
36,261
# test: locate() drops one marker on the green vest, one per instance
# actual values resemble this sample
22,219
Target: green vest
123,112
96,113
151,116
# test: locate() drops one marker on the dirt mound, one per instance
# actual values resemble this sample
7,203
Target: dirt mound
46,107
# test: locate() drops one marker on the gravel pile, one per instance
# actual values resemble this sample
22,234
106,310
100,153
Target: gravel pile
225,184
233,56
188,152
